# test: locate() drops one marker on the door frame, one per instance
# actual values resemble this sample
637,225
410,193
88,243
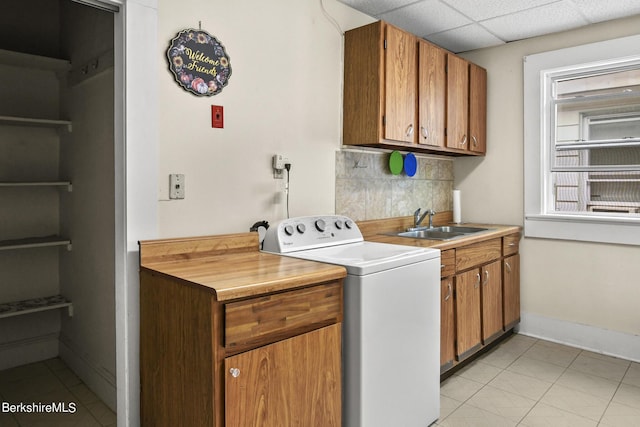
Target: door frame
135,169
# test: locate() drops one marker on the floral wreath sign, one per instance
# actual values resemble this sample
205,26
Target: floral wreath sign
199,62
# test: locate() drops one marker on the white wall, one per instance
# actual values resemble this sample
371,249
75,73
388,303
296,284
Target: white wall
284,96
564,283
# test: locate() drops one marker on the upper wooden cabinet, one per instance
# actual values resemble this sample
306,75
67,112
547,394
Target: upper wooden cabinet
402,92
457,102
477,109
379,86
432,94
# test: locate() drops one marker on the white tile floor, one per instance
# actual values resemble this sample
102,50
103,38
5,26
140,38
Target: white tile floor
47,382
529,382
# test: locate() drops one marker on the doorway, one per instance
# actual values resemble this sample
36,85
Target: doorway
59,80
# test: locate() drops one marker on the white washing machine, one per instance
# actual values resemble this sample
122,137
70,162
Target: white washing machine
391,328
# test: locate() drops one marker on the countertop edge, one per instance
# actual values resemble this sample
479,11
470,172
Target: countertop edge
494,231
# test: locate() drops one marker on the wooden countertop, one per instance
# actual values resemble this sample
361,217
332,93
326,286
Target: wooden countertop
378,231
232,266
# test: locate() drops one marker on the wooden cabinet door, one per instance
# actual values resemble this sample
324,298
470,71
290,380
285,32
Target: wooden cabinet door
468,323
491,301
432,92
295,382
477,109
457,102
447,323
400,85
511,298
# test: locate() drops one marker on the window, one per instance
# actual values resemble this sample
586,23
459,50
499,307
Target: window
582,143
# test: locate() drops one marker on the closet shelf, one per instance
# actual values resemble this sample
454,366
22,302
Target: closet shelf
38,184
35,242
34,305
19,59
29,121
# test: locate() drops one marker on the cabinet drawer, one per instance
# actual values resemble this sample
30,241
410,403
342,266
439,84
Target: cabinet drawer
478,253
258,321
510,244
447,263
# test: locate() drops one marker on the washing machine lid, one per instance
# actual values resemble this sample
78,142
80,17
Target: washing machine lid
364,258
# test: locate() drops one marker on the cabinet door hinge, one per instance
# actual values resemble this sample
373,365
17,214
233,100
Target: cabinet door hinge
445,131
385,43
384,120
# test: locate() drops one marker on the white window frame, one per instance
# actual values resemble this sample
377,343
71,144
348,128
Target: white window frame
538,220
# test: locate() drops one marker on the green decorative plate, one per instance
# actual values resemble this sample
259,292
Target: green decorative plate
395,163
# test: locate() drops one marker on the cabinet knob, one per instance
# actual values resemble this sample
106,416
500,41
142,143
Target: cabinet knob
446,298
464,140
486,277
475,141
235,372
506,264
477,280
410,130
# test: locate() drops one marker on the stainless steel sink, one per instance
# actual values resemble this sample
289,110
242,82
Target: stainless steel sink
441,233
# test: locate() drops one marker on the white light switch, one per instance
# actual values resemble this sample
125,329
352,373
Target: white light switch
176,186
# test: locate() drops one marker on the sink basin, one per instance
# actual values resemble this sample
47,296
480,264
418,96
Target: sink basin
441,233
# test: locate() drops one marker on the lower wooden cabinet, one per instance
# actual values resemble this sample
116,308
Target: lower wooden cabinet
447,324
491,291
274,385
511,286
480,296
468,319
270,360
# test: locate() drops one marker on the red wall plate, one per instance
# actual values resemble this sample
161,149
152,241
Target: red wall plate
217,116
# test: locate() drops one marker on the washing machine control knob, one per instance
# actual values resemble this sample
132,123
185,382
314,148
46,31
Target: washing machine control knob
349,223
320,225
339,224
288,230
301,228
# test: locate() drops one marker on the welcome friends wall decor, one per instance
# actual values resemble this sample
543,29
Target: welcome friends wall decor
198,62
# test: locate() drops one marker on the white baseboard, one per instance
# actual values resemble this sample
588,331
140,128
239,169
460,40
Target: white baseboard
598,340
29,350
98,379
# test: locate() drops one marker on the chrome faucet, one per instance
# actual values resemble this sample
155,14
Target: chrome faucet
417,218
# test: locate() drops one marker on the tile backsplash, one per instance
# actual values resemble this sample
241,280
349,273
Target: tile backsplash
366,189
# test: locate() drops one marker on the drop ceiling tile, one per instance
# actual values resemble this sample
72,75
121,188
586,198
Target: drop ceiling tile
598,10
374,8
548,19
465,38
479,10
425,17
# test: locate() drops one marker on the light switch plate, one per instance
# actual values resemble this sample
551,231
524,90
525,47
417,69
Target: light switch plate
176,186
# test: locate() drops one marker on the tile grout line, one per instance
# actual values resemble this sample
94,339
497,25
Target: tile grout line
523,353
78,402
566,368
15,420
487,383
614,393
